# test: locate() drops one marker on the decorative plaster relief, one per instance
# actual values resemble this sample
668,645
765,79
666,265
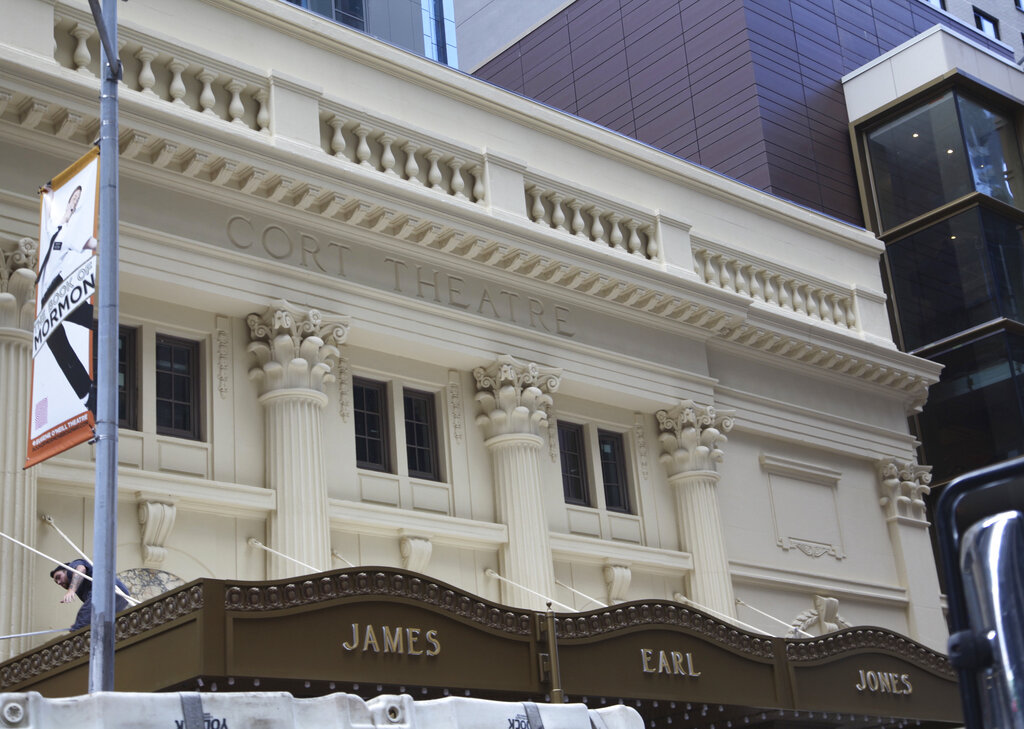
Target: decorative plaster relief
903,487
514,397
344,375
805,511
823,618
156,519
617,577
416,551
223,339
691,436
640,433
455,405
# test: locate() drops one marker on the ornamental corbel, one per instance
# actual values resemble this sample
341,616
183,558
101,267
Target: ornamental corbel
617,576
156,520
416,551
514,397
903,487
295,347
691,437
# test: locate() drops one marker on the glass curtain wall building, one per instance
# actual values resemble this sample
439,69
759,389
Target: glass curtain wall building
946,196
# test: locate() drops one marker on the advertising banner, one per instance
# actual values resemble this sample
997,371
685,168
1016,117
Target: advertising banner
63,383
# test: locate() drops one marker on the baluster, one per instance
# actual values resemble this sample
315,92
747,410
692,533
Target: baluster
851,314
711,270
458,183
537,209
825,307
263,115
723,265
596,226
206,97
771,292
742,287
478,183
577,218
653,244
557,216
753,278
412,167
235,107
838,313
337,139
387,157
146,77
362,148
702,265
434,173
811,299
177,88
785,300
82,57
799,305
614,232
634,239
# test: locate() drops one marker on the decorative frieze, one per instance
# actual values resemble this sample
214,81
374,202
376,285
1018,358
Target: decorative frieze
295,347
903,488
514,397
691,437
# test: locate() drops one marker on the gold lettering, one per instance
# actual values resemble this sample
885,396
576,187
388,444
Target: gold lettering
412,635
370,639
677,663
907,688
455,293
250,232
872,681
645,657
355,638
862,684
392,643
689,665
663,666
434,643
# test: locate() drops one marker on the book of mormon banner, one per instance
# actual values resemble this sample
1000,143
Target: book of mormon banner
63,386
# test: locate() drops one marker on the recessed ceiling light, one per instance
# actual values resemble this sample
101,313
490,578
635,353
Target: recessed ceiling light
949,151
915,135
952,237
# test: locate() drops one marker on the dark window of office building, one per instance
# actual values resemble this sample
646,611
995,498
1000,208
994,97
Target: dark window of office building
347,12
974,416
954,275
613,471
421,435
574,463
177,387
127,377
939,152
370,406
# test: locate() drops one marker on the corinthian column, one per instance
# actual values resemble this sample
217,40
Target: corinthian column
17,486
295,351
691,439
903,486
515,400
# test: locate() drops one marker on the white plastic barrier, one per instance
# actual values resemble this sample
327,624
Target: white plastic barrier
283,711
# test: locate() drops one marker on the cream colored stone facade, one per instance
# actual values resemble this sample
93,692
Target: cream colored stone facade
313,206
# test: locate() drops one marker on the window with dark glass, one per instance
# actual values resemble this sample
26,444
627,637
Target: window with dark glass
370,406
127,377
954,275
613,470
975,413
421,435
347,12
574,463
177,387
986,24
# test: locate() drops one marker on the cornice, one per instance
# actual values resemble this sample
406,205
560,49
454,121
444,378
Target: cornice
377,206
390,521
588,550
847,642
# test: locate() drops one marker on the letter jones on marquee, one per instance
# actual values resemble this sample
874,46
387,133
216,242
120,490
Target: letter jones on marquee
883,682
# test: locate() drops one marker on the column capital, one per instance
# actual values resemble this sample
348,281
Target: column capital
691,436
514,397
294,348
903,486
17,283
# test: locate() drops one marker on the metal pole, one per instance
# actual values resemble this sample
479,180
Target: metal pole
101,645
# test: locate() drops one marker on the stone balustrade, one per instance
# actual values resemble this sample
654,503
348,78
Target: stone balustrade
591,218
402,153
771,284
167,71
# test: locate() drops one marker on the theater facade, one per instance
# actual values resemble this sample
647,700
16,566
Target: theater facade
377,312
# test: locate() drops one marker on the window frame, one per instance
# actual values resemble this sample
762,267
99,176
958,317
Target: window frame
431,447
384,465
194,401
621,487
981,19
577,431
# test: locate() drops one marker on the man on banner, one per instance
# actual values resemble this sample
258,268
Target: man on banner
63,389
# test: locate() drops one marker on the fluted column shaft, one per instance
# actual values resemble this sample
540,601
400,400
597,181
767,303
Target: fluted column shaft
526,559
295,470
296,351
701,527
17,491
